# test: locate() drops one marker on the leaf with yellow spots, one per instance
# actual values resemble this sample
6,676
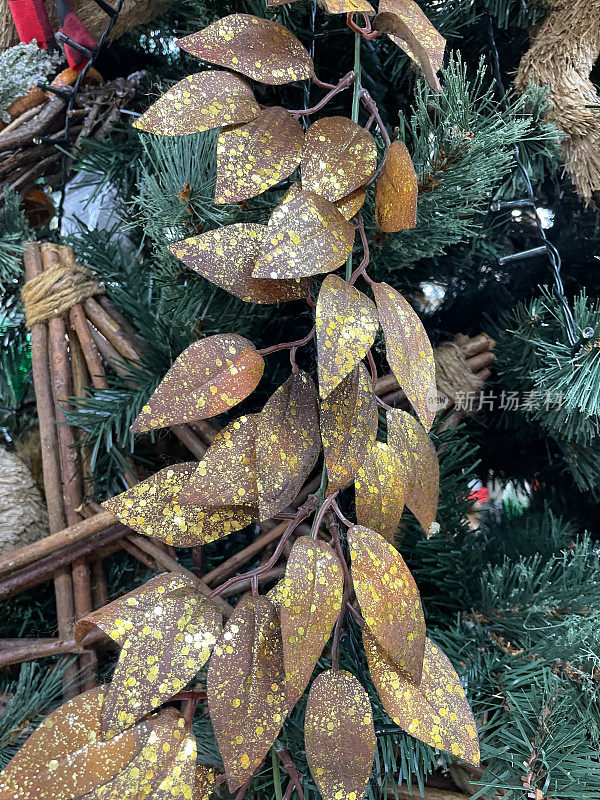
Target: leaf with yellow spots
66,756
409,28
166,630
309,604
306,235
199,103
339,735
339,156
155,507
408,349
389,599
226,476
379,490
409,440
226,256
346,326
246,688
204,783
436,711
288,443
352,203
396,192
210,376
348,421
260,48
253,157
347,7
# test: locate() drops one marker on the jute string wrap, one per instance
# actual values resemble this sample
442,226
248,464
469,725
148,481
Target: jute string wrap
452,375
56,290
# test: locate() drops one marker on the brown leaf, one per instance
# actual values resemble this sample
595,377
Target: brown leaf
339,735
198,103
66,756
226,256
352,203
309,603
389,599
155,508
436,711
226,476
210,376
408,349
246,688
347,324
204,784
346,6
306,235
348,425
409,28
253,157
396,192
287,443
259,48
166,630
339,157
409,440
379,490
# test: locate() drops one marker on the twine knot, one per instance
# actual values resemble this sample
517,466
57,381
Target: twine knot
452,374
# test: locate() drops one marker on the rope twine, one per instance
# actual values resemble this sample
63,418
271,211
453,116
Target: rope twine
55,291
453,376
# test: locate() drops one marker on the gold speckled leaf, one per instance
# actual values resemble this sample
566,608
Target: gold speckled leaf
310,600
166,630
287,443
253,157
339,157
204,783
180,780
346,6
260,48
226,256
389,599
347,324
198,103
352,203
408,349
246,688
348,421
306,235
227,474
410,441
409,28
379,489
397,190
436,711
155,508
210,376
339,735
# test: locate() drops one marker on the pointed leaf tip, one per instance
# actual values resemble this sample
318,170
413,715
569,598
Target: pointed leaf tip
397,191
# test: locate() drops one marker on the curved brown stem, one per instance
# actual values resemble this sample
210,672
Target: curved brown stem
367,32
321,513
362,267
343,84
267,351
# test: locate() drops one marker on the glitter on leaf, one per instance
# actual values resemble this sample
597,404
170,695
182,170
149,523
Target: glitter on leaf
288,443
408,350
259,48
155,507
226,256
379,490
409,28
306,235
309,602
352,203
339,735
396,192
246,688
253,157
408,439
166,630
199,103
348,422
204,782
339,157
436,711
347,6
347,324
210,376
389,599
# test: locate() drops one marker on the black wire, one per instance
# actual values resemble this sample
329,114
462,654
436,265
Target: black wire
551,251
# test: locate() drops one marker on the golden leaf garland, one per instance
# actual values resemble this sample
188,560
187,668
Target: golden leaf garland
379,490
352,203
397,191
436,711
